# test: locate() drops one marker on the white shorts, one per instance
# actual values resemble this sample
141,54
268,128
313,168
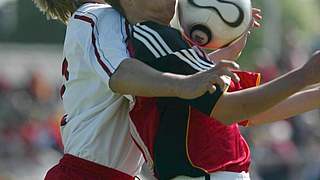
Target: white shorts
220,175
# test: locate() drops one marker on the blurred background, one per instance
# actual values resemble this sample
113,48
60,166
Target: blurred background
30,106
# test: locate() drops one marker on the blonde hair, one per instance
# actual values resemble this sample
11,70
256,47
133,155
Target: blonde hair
57,9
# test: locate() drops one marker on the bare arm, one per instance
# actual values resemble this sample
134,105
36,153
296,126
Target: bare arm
231,52
136,78
236,106
296,104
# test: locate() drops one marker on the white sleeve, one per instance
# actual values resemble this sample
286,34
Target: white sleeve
146,173
106,48
108,43
112,41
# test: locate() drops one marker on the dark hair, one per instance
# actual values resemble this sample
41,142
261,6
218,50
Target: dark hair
116,5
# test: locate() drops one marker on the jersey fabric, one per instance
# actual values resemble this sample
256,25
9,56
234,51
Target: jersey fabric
96,124
176,136
71,167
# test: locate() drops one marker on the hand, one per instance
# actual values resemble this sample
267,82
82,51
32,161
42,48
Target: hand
256,17
198,84
311,70
238,45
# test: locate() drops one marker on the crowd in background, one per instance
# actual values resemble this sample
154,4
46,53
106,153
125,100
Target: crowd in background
287,149
29,125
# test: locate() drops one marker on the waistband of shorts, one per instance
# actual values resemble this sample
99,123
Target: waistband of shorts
92,167
225,175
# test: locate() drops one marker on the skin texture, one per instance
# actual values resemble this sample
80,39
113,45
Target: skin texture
135,78
233,51
236,106
154,10
231,107
296,104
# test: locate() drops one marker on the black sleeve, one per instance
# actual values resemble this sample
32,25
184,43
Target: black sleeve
173,64
206,102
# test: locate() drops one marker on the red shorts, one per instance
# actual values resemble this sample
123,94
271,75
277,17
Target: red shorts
74,168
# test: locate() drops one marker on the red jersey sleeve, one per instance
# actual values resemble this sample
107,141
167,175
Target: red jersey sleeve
247,80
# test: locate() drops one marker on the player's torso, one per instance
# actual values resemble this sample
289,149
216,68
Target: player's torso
96,125
178,139
155,42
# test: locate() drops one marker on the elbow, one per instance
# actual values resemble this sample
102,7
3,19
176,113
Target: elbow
226,121
228,116
118,79
228,110
223,118
231,120
114,83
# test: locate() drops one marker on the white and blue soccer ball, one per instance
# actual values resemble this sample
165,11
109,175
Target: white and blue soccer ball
212,24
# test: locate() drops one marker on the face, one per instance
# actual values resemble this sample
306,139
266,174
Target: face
158,10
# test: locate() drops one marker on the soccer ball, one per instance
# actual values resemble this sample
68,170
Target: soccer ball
212,24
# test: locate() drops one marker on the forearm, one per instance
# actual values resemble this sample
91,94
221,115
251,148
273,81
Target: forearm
222,54
231,52
296,104
236,106
136,78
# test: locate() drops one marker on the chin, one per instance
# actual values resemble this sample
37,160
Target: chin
167,20
170,15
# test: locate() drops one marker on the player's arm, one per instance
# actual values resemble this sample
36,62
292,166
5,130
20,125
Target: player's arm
137,78
107,55
146,76
298,103
236,106
231,52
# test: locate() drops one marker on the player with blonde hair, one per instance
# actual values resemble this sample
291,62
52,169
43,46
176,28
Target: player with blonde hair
97,67
95,128
60,10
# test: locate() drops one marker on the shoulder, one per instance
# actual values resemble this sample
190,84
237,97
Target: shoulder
98,15
159,36
158,29
99,10
101,18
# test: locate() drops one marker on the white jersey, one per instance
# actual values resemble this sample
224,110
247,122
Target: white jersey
96,123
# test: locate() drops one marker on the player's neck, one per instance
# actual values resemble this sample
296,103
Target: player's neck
138,17
91,1
159,19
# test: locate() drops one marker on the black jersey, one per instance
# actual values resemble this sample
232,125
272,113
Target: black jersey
177,136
